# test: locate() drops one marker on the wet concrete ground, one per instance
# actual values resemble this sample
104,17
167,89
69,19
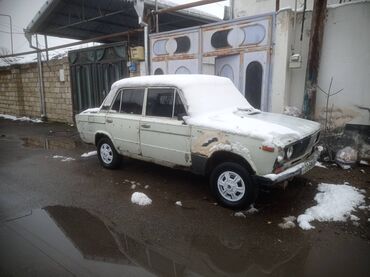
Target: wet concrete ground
76,219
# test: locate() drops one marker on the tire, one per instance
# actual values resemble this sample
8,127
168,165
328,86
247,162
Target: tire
232,186
107,154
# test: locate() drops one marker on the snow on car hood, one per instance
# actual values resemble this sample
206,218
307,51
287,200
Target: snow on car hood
277,129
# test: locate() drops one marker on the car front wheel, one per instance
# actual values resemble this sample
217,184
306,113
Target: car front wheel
107,154
232,185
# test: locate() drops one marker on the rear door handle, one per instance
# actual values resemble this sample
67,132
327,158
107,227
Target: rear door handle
145,125
109,120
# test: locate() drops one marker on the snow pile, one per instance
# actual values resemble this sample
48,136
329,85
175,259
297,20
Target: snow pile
251,210
288,222
239,214
178,203
318,164
63,158
347,155
363,162
292,111
141,199
334,203
89,154
23,118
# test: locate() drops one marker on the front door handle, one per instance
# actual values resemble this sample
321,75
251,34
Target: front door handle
108,120
145,125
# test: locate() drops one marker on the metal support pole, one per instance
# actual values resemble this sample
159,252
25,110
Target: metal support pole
146,49
156,17
46,47
41,82
11,31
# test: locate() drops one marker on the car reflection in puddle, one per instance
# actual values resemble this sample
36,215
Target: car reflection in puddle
63,241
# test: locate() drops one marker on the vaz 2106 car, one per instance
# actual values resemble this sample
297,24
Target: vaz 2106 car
203,124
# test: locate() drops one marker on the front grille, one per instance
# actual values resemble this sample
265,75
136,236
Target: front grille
300,147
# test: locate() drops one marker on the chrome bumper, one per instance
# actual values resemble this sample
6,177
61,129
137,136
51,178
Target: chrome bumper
298,169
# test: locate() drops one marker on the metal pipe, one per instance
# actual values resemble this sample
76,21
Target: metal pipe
294,25
11,31
232,6
156,17
41,82
146,45
186,6
75,43
46,47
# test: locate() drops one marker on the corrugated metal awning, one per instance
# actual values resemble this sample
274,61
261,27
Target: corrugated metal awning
78,19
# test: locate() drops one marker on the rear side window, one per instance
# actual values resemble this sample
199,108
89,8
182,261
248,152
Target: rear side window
160,102
179,107
132,101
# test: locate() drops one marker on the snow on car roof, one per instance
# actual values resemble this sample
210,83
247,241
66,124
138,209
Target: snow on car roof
203,93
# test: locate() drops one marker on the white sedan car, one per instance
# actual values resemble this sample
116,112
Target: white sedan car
202,124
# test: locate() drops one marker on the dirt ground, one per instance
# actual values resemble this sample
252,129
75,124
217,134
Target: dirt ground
76,218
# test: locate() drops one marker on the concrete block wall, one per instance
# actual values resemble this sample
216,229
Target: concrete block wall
19,91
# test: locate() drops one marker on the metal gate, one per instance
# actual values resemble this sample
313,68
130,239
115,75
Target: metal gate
239,49
93,71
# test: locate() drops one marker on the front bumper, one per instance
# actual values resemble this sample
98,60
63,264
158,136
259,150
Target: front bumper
298,169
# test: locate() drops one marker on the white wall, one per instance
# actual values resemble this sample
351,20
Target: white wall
345,56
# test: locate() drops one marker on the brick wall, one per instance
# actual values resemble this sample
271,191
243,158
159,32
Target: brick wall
19,91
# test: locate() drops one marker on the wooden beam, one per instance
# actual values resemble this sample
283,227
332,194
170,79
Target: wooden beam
313,60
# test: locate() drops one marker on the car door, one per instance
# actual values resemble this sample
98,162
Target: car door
163,134
123,120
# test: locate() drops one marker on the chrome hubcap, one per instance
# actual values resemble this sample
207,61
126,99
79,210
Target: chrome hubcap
106,153
231,186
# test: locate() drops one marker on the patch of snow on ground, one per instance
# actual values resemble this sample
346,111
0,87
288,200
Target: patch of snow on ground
146,187
318,164
89,154
252,210
141,199
239,214
179,203
334,203
133,186
363,162
23,118
63,158
288,222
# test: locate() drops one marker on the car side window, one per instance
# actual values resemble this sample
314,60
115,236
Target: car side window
179,107
117,103
160,102
132,101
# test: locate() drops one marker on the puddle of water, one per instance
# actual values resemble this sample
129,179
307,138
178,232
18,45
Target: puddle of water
50,143
63,241
66,239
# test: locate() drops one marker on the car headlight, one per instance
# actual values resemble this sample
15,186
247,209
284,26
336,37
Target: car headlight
289,152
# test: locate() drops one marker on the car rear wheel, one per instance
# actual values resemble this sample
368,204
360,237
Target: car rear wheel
107,154
232,185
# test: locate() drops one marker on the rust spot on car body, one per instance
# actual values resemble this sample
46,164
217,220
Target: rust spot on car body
210,141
